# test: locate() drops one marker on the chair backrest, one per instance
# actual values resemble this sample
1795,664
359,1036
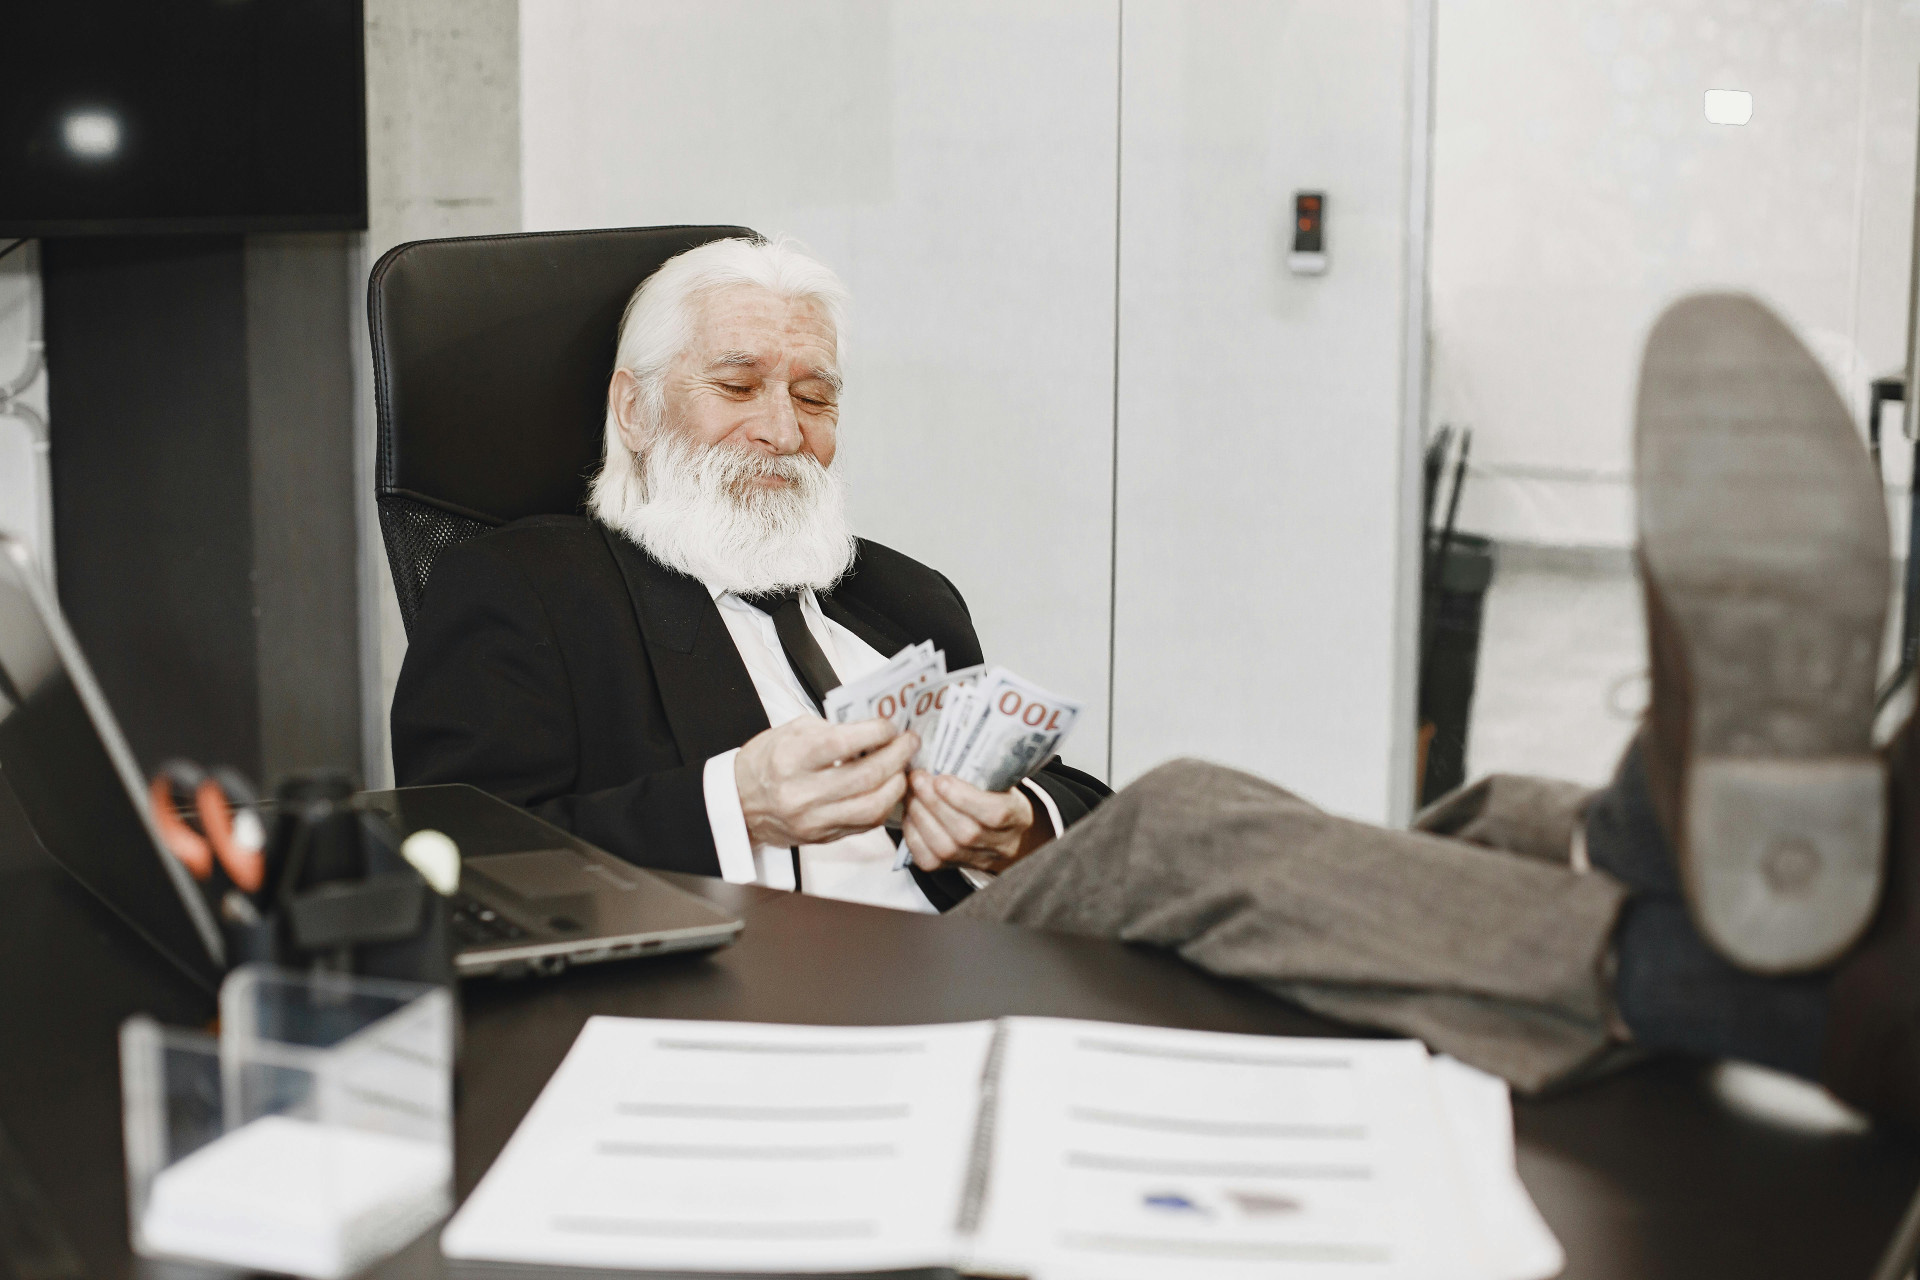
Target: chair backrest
491,356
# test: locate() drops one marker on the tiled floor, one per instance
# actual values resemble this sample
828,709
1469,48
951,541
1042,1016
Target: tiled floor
1563,659
1562,665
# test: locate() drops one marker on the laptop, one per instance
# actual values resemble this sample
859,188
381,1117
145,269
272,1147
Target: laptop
532,898
536,899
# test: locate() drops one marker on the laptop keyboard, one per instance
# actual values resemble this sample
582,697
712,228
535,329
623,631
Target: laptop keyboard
476,924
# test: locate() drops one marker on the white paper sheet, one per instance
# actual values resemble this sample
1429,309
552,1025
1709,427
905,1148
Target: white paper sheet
1479,1112
1111,1151
291,1196
737,1147
1124,1152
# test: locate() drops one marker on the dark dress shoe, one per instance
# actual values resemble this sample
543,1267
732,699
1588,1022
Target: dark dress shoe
1764,554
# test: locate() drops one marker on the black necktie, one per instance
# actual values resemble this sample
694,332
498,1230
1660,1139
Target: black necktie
804,654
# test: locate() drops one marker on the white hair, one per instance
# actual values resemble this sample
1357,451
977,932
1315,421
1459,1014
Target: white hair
693,507
659,323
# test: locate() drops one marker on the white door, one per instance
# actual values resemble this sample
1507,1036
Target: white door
1263,612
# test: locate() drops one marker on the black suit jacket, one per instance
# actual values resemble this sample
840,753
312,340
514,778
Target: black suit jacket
558,666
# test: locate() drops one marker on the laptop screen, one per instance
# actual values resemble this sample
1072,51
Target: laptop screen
62,756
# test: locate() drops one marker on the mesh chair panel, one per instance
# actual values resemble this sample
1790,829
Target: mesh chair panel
416,534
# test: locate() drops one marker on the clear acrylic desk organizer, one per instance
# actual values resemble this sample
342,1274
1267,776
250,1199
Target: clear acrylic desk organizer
313,1136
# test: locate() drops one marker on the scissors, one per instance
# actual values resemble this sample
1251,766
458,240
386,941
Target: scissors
209,819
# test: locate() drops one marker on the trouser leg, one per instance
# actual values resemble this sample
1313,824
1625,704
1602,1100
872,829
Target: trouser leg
1673,991
1538,817
1496,959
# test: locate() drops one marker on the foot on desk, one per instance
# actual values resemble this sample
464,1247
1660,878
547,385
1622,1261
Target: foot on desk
1854,1027
1764,552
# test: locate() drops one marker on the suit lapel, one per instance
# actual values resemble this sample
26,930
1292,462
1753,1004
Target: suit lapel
710,700
882,633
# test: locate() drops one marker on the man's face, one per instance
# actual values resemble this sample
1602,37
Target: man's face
758,376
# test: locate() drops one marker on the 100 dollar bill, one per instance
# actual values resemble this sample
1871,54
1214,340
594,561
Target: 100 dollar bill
1017,727
887,693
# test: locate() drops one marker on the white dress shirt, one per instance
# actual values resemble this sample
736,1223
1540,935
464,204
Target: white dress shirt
857,868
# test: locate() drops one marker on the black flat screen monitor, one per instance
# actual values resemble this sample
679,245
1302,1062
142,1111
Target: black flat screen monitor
157,116
62,756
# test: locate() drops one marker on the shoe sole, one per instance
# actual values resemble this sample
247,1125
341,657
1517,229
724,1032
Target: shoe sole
1763,531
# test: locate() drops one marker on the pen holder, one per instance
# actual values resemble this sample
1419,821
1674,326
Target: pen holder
343,896
327,886
312,1137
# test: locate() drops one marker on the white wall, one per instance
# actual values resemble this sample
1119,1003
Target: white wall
1261,611
1579,189
443,159
954,162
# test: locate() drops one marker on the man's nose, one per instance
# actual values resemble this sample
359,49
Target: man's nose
777,425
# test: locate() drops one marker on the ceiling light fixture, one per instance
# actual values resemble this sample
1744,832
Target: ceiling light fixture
1729,106
91,135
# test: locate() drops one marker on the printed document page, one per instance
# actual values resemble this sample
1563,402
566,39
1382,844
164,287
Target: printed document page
1479,1111
712,1146
1122,1152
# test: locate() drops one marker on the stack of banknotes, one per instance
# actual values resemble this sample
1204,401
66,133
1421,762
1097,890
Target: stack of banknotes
984,725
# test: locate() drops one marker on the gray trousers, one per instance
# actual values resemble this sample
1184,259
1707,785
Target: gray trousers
1484,942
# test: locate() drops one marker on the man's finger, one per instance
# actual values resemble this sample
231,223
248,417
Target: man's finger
807,789
858,777
949,832
850,815
928,842
996,809
916,843
963,827
826,743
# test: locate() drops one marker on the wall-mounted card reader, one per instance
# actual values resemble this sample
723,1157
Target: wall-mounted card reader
1309,256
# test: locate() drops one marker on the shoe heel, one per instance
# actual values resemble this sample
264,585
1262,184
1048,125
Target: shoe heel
1784,857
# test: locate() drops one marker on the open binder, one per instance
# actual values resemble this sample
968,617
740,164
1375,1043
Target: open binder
1038,1147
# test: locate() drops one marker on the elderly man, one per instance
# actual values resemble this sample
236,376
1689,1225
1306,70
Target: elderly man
650,676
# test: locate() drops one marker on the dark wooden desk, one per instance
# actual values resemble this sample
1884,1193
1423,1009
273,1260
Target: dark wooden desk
1648,1174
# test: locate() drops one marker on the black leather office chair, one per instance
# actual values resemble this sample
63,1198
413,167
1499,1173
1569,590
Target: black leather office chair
491,356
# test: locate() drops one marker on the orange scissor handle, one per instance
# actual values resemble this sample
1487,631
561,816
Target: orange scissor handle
182,841
236,840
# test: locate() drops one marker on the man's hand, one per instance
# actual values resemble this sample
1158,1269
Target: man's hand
953,822
810,782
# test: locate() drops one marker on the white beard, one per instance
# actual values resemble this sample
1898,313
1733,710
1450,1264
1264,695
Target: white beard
694,508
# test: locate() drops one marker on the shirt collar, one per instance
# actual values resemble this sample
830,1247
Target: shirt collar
720,594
